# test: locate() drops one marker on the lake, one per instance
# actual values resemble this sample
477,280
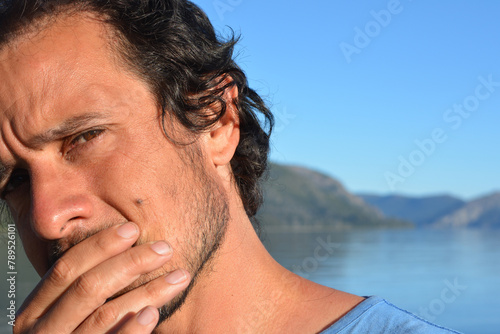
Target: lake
452,278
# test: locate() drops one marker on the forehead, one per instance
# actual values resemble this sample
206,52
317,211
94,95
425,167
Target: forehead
61,29
55,47
64,67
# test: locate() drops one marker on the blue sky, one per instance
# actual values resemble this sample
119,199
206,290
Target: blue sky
387,96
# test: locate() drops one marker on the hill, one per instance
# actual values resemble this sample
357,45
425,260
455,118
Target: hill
483,212
422,211
300,199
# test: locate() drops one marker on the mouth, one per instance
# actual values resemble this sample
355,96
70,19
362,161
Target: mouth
58,248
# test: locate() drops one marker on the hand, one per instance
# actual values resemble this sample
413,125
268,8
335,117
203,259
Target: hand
71,297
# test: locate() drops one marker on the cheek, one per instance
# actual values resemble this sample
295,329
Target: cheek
136,185
160,207
128,181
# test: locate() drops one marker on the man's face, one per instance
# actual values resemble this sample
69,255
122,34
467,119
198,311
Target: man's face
83,147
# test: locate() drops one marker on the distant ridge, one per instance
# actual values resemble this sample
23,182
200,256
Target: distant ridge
300,199
483,212
422,211
440,211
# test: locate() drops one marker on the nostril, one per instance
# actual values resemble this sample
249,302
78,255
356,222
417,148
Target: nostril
54,217
69,221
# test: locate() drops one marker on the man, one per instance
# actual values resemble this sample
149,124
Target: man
130,154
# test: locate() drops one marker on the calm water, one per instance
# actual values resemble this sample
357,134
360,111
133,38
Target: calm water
450,277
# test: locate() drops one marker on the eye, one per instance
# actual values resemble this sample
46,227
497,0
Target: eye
18,178
83,138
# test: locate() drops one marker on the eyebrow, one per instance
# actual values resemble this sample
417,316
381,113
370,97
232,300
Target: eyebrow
66,128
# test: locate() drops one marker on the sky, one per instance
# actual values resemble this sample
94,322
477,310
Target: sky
386,96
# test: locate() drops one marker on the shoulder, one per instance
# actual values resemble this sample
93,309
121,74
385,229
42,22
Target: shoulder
376,315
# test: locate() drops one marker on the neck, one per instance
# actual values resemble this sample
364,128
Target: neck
246,290
222,290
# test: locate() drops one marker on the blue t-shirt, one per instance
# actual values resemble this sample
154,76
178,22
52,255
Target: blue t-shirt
375,315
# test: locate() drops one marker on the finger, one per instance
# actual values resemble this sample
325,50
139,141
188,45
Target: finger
143,322
93,288
155,293
77,260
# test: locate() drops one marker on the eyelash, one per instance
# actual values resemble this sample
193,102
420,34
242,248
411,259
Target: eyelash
72,146
20,176
15,181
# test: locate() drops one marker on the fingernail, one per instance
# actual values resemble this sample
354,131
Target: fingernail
146,316
176,277
161,247
127,230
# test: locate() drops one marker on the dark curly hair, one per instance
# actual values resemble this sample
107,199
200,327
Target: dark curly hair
172,46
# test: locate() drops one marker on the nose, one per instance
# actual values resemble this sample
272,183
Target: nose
59,202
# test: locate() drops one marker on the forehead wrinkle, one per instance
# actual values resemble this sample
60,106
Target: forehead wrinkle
32,88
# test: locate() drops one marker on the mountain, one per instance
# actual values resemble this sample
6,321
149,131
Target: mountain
483,212
440,211
422,211
300,199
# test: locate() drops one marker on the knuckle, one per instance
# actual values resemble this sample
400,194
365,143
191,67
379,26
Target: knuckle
102,244
87,285
104,316
136,258
62,271
153,292
20,326
24,319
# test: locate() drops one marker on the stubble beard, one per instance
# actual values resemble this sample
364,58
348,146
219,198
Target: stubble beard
212,216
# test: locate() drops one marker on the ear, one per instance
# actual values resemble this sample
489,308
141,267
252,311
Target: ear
223,138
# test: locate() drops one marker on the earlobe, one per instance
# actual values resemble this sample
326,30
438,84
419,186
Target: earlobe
225,135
